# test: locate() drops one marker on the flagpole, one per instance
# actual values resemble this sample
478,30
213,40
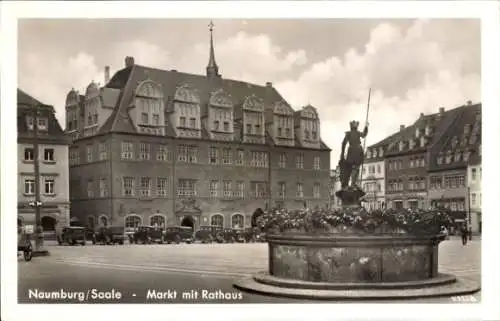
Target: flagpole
364,139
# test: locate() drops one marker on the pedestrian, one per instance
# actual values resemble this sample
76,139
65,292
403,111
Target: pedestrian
464,231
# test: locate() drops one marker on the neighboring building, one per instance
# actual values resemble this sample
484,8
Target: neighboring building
373,178
450,158
409,156
53,160
474,177
170,148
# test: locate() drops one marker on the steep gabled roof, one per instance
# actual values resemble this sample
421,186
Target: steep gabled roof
127,80
466,115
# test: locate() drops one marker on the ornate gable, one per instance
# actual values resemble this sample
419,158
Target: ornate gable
282,108
186,93
253,103
220,98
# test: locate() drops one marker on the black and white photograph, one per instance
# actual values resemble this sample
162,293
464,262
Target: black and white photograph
228,160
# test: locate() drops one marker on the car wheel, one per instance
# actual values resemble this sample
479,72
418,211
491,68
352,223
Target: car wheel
121,242
83,243
28,255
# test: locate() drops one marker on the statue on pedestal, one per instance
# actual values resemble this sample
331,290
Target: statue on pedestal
350,165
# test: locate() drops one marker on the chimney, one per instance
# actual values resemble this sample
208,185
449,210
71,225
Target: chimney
269,84
106,75
173,70
421,115
469,102
129,61
401,127
441,110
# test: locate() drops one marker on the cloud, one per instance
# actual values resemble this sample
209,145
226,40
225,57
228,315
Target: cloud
408,70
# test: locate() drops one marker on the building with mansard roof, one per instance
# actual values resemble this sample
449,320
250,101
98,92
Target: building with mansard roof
166,147
410,157
450,159
53,161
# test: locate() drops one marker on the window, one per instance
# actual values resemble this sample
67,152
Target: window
280,131
226,126
240,189
216,125
282,189
259,159
306,134
282,161
29,154
226,188
299,161
226,156
240,155
161,187
89,154
74,157
162,153
128,186
132,221
314,135
249,129
29,186
145,118
186,187
48,155
316,190
217,220
258,189
300,190
257,129
157,220
103,151
90,188
42,124
187,154
212,155
473,174
287,132
316,162
127,150
156,119
473,196
103,187
237,221
182,121
145,186
214,188
192,122
144,151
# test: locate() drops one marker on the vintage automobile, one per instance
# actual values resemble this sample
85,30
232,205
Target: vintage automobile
109,235
178,234
240,235
146,234
229,235
72,235
209,233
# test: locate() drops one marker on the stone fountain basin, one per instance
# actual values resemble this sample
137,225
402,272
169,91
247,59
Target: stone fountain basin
355,259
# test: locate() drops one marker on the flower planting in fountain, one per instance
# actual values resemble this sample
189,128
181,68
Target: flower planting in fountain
354,245
355,221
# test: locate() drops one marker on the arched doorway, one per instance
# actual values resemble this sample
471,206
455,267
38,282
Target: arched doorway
188,221
49,223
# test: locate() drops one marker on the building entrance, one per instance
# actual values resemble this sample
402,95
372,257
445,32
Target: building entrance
188,221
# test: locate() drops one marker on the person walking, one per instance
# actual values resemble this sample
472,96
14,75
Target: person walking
464,232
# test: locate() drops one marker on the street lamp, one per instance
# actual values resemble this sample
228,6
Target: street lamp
37,203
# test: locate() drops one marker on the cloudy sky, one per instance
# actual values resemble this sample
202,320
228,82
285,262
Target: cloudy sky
412,66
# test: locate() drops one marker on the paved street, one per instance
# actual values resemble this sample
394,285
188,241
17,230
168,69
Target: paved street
185,269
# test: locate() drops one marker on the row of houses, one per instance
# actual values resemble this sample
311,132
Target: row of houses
436,161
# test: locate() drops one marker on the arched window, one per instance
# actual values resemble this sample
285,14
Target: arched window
91,222
103,220
157,220
132,221
237,221
217,219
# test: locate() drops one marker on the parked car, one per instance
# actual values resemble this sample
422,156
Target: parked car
240,235
72,235
229,235
209,233
178,234
109,235
148,234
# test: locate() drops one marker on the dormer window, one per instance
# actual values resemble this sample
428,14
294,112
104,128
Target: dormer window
454,142
257,129
401,145
449,157
368,154
422,141
192,122
306,134
381,152
226,126
478,117
249,128
440,160
412,143
183,121
280,131
96,117
314,135
417,132
287,132
467,155
89,119
216,125
457,157
144,118
156,119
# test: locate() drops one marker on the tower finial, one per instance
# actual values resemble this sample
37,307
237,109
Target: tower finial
212,68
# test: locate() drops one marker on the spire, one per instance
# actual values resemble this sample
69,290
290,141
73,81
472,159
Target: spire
212,68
